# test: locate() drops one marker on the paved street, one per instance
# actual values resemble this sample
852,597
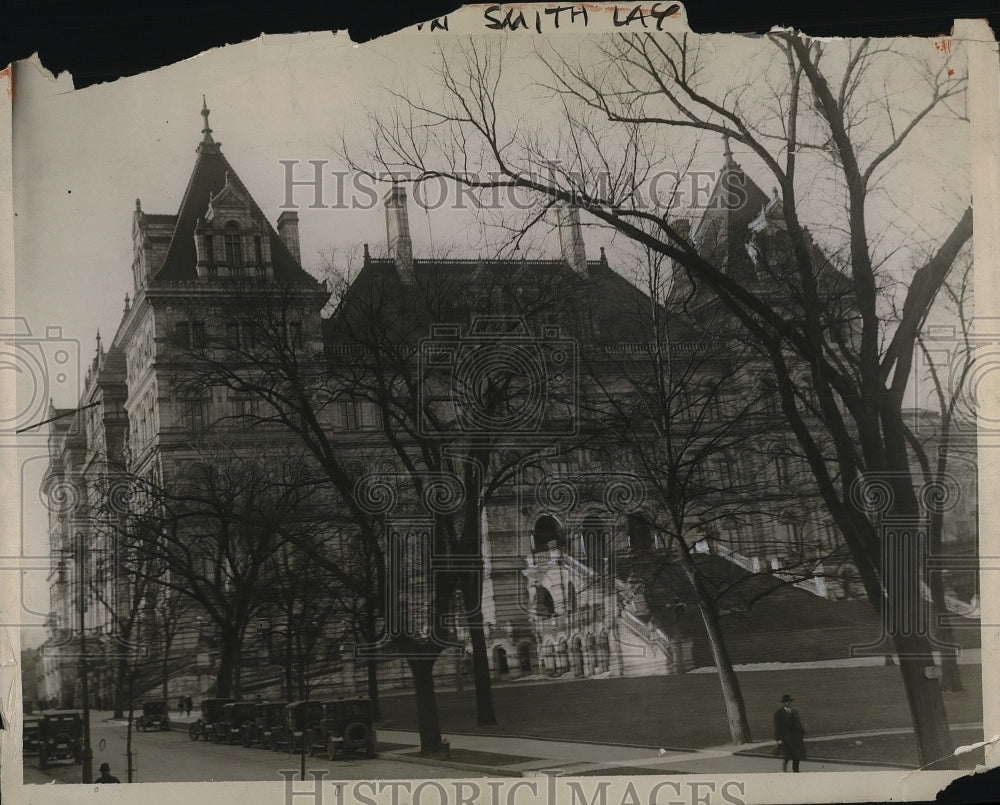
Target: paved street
173,757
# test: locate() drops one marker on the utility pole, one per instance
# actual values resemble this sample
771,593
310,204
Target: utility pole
87,755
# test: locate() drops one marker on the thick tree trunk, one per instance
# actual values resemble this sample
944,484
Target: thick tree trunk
121,692
428,724
472,597
923,694
732,695
373,690
227,663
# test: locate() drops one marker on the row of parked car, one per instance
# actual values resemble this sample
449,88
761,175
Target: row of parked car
335,728
54,735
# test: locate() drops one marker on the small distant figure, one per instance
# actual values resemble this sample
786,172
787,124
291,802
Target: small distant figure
789,734
181,701
259,698
106,775
187,704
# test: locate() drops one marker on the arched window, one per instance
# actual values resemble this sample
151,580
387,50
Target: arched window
570,597
547,530
234,247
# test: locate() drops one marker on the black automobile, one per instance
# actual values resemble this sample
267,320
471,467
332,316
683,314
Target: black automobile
154,716
268,717
211,712
347,727
301,718
60,737
234,717
29,741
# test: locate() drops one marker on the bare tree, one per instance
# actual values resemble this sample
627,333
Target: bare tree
932,440
818,316
211,534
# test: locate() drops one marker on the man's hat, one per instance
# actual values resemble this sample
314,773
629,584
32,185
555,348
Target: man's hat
786,698
105,767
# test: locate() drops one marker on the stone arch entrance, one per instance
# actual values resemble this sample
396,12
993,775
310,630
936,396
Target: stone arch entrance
604,652
562,657
524,665
501,668
576,656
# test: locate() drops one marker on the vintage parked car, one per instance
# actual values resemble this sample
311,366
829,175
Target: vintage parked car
154,716
235,716
300,718
30,734
347,727
60,737
211,712
268,717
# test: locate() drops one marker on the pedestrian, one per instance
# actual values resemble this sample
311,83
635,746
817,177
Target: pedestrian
180,704
789,734
106,775
187,703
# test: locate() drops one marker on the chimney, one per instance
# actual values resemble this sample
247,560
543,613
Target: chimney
571,239
288,231
397,228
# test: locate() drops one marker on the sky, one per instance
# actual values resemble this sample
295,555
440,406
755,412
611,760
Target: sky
83,157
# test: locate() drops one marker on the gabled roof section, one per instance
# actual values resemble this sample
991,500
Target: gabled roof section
211,173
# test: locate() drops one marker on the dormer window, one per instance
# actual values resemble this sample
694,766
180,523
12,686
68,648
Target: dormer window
234,247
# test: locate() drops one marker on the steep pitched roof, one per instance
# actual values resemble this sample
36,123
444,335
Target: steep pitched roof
210,175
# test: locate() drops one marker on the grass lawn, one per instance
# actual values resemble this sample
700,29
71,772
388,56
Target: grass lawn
686,710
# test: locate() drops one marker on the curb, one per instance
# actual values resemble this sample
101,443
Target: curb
494,771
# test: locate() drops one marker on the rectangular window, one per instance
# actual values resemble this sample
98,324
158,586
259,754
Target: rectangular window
210,252
345,415
195,415
370,416
234,251
182,335
198,334
233,335
258,250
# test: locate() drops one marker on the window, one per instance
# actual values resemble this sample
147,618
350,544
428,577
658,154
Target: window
293,332
194,414
198,334
782,471
210,253
258,250
357,415
244,404
182,335
234,248
233,335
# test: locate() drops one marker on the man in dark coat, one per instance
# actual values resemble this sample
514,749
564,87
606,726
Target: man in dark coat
106,775
789,734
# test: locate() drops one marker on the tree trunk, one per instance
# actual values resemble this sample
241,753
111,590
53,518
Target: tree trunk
428,724
472,598
732,695
121,674
373,690
923,694
951,677
224,676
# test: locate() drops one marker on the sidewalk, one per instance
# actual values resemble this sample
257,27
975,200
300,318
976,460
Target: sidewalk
523,757
519,756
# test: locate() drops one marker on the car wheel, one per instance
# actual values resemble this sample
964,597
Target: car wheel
193,731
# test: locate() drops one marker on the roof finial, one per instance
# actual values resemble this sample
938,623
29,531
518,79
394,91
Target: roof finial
207,131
